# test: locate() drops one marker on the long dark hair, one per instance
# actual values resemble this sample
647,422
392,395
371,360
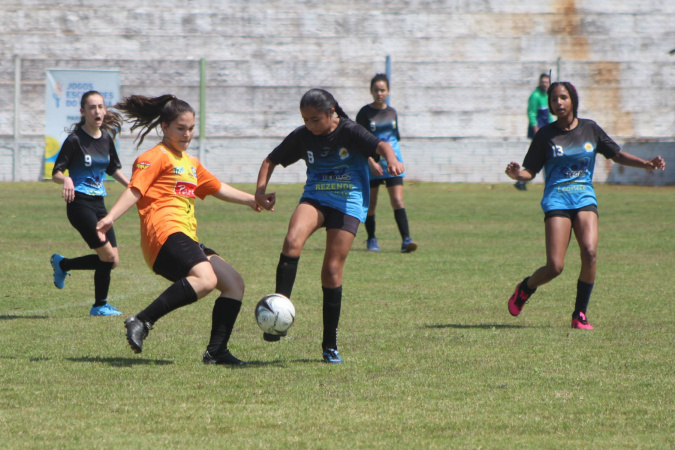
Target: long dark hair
323,101
573,95
112,122
147,113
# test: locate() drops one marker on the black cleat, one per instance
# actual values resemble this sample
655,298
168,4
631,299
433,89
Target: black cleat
137,331
226,359
271,337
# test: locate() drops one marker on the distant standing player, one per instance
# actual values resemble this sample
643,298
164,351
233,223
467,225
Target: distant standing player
382,120
538,113
88,153
165,182
336,151
566,150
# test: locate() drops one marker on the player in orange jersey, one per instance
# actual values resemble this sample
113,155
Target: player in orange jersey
164,184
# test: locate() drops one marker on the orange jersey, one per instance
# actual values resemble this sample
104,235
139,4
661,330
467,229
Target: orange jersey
168,182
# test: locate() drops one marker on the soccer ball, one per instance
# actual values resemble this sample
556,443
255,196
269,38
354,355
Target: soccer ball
275,314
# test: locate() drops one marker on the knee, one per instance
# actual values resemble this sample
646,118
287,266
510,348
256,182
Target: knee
292,246
331,274
208,282
589,255
110,258
236,287
554,269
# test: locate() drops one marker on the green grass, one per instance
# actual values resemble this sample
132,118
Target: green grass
432,357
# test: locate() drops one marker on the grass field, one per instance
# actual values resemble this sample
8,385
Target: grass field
432,357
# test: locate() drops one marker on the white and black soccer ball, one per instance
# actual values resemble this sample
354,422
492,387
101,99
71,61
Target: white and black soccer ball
275,314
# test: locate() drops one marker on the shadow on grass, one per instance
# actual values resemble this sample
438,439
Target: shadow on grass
130,362
275,363
254,364
122,362
488,326
306,360
388,250
12,317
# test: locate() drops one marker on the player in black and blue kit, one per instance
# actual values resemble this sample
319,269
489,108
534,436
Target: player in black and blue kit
88,153
382,120
566,149
336,196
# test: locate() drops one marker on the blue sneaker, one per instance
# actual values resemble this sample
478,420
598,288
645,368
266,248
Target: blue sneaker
59,275
331,356
372,245
104,310
408,245
115,311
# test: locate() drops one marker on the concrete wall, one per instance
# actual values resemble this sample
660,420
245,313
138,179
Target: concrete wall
462,71
619,174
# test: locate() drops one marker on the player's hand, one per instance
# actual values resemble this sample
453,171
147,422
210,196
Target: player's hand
396,168
103,226
375,168
513,170
68,192
266,200
656,163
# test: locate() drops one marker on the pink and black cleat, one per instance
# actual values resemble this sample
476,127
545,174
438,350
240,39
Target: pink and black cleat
580,322
518,300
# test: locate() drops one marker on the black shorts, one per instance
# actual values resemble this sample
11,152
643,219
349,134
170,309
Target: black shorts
570,213
389,182
334,219
84,212
179,255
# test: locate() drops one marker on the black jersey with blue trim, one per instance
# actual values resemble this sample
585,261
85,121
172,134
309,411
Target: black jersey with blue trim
337,165
568,160
383,123
87,160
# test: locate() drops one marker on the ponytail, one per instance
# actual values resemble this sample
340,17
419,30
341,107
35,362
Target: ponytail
147,113
340,112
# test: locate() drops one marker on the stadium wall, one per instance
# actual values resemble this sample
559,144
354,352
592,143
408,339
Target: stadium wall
462,72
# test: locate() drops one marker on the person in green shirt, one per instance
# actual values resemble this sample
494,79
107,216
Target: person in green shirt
537,113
